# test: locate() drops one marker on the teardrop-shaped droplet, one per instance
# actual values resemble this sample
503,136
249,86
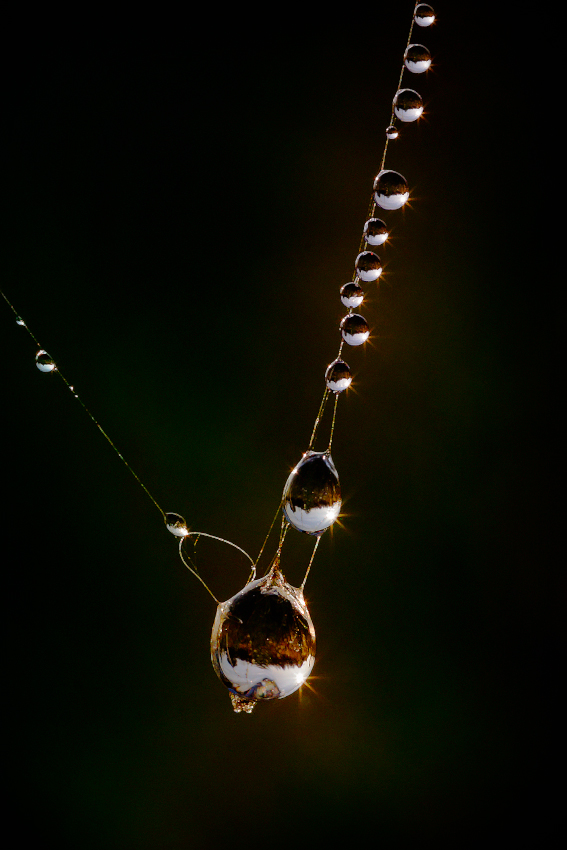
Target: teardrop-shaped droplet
44,362
417,58
338,377
392,132
20,321
263,641
368,266
354,329
408,105
390,190
352,294
375,231
424,15
312,494
176,525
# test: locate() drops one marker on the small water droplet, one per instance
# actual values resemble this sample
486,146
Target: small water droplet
390,190
20,321
176,525
408,105
392,132
312,494
44,362
368,266
375,231
352,294
424,15
338,377
354,328
263,641
417,58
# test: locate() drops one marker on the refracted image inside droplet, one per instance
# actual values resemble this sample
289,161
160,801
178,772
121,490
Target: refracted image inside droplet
375,231
263,641
44,362
390,190
338,377
392,132
312,494
417,58
424,15
368,266
354,329
408,105
176,525
352,294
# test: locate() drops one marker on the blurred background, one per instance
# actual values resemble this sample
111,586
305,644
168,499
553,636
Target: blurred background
183,207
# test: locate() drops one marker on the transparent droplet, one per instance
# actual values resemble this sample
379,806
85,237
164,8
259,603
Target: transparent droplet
375,231
352,294
20,321
390,190
417,58
312,494
392,132
263,641
338,377
354,329
368,266
44,362
176,525
408,105
424,15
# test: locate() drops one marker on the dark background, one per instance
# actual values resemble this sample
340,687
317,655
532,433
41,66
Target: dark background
183,207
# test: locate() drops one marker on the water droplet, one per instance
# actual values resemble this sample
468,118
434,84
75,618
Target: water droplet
368,266
312,494
263,641
392,132
354,328
390,190
20,321
44,362
408,105
176,525
352,294
424,15
417,58
338,376
375,231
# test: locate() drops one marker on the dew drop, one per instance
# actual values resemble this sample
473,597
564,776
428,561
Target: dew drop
263,641
368,266
417,58
176,525
424,15
354,328
20,321
312,494
408,105
352,294
390,190
375,231
392,132
338,377
44,362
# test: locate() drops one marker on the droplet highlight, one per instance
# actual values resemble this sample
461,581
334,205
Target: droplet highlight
20,321
391,190
263,642
408,105
352,294
312,494
368,266
176,525
354,329
424,15
375,231
417,58
338,376
44,362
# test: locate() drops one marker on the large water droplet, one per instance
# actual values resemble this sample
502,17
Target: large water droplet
417,58
176,525
390,190
44,362
263,641
312,494
20,321
368,266
354,329
338,376
408,105
352,294
392,132
375,231
424,15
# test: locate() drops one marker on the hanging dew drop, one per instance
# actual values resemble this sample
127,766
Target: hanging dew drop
312,494
354,329
176,525
424,15
368,266
352,294
20,321
390,190
263,641
417,58
408,105
338,377
375,231
44,362
391,132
